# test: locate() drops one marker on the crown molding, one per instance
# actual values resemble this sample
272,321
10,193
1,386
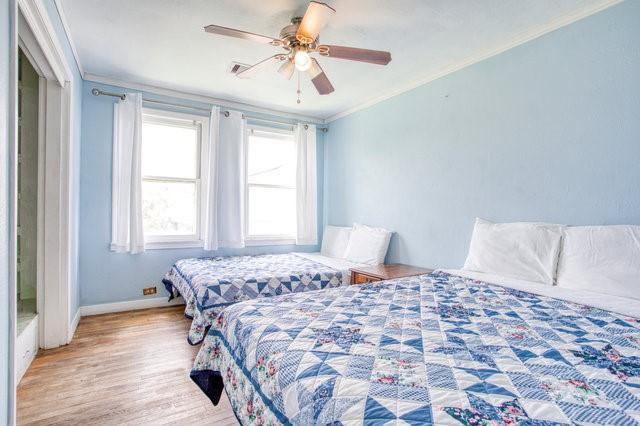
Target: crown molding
67,31
166,91
519,39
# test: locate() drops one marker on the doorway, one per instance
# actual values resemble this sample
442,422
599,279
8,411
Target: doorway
27,189
35,47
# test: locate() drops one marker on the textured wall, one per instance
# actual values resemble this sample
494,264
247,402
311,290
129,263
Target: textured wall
547,131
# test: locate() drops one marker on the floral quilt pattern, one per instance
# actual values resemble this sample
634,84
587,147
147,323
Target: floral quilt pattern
209,284
433,349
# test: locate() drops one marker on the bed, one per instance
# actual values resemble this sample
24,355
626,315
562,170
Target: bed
209,284
441,348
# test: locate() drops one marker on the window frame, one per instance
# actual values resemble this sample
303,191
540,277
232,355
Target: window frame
201,123
272,239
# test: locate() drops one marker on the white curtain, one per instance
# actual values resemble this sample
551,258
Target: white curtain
210,183
306,185
225,181
126,191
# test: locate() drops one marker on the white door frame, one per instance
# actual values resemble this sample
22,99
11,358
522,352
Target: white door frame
35,34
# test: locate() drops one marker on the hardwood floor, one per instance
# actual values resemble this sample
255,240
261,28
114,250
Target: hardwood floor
124,368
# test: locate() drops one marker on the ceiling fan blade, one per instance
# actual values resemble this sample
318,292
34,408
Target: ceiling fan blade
319,78
260,66
287,69
378,57
315,19
230,32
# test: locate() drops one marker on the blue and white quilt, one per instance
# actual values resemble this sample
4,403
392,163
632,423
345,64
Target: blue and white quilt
433,349
209,284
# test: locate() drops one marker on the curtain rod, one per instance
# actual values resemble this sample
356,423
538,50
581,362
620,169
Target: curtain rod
122,96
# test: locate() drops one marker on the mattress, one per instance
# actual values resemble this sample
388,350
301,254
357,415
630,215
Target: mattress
432,349
210,284
342,265
620,305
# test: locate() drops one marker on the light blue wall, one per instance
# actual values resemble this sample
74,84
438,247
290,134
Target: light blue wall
54,16
547,131
5,49
112,277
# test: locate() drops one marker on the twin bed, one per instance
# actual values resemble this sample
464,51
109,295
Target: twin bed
451,347
210,284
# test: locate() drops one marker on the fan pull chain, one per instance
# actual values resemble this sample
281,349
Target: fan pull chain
298,101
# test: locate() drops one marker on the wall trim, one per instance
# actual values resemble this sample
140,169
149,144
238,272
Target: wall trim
167,91
67,31
519,39
73,325
36,16
130,305
7,217
39,35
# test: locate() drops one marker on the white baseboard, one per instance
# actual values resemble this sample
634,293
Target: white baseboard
73,325
131,305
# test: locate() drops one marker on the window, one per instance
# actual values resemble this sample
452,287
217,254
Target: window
172,146
271,184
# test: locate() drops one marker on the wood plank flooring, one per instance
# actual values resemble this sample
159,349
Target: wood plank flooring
123,368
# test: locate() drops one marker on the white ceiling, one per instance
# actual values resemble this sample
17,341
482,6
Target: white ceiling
161,43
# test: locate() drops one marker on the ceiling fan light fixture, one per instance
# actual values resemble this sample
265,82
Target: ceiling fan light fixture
302,60
299,40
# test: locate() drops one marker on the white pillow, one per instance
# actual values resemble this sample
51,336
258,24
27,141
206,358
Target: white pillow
335,240
368,245
521,250
604,259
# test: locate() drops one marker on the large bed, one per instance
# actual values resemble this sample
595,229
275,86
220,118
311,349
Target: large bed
210,284
441,348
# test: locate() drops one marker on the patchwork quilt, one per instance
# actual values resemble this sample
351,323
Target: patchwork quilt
433,349
209,284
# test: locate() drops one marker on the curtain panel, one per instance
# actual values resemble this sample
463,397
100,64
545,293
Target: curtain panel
225,181
126,196
306,185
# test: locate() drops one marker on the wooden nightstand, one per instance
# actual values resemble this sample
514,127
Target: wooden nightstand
385,272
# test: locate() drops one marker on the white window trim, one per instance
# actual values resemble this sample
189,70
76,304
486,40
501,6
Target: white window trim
262,240
178,118
275,240
163,245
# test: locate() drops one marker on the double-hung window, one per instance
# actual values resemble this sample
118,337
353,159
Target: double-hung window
271,185
172,156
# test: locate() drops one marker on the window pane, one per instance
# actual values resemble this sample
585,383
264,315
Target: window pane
272,211
169,151
169,208
271,161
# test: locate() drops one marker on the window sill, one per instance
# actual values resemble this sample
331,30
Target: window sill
159,245
249,242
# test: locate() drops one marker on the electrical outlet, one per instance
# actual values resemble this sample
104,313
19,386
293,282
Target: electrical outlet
149,290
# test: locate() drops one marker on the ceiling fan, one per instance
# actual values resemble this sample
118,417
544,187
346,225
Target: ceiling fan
300,40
